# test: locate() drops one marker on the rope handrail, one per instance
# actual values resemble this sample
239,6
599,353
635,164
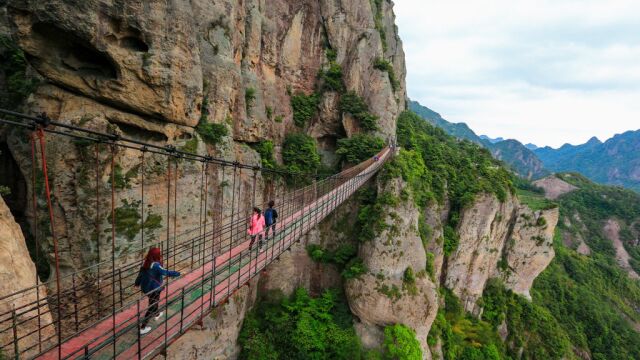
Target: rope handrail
220,243
43,121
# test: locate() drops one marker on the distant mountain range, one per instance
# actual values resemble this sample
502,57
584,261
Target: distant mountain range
522,160
614,162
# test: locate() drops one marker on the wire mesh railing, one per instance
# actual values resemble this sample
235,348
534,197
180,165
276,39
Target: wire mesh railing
96,314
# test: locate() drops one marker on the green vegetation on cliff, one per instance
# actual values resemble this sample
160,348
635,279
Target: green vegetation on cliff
306,327
300,327
359,147
300,154
437,166
13,66
592,298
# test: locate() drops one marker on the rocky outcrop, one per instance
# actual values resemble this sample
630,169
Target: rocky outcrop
484,229
396,288
530,248
18,273
554,187
499,239
611,230
215,337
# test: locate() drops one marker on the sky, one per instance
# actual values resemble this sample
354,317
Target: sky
547,72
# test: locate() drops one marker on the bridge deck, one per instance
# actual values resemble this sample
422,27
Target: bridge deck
187,299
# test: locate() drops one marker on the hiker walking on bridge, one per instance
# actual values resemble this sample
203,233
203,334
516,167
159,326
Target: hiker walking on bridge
256,227
270,218
150,281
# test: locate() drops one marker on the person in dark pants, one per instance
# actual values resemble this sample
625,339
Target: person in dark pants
270,218
150,281
256,227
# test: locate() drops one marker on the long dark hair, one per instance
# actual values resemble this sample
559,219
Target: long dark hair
154,255
258,211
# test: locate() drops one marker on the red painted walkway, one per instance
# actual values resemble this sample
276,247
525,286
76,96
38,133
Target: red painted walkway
97,341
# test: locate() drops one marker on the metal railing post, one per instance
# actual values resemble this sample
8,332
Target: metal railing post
138,329
16,346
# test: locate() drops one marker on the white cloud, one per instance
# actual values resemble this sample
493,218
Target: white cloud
541,71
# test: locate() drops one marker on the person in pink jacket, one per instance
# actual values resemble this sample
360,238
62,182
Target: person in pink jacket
256,227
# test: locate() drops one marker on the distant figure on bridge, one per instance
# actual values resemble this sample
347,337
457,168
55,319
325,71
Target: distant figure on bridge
270,218
150,281
256,227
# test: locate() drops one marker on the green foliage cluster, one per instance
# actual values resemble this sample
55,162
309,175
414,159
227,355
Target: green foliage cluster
400,343
409,281
340,256
591,298
424,230
332,78
301,327
211,133
429,267
359,148
304,107
535,201
353,104
13,65
464,336
249,98
371,216
451,240
436,165
344,256
268,110
532,328
191,146
354,268
128,220
266,150
532,196
123,180
4,190
300,154
384,65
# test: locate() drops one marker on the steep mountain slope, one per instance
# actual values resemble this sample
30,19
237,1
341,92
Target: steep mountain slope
589,288
614,162
459,130
522,160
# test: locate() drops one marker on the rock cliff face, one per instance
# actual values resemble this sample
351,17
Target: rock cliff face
503,240
153,70
18,273
397,288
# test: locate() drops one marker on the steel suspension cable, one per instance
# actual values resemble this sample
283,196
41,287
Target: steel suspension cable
47,187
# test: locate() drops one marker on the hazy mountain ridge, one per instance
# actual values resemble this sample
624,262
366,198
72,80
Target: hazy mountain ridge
521,159
615,161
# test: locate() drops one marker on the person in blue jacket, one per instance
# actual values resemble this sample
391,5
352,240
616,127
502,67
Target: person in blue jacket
270,218
150,281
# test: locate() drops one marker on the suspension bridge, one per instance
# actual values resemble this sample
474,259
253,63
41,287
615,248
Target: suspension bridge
95,312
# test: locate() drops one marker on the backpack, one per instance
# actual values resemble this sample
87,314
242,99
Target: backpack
268,216
138,281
